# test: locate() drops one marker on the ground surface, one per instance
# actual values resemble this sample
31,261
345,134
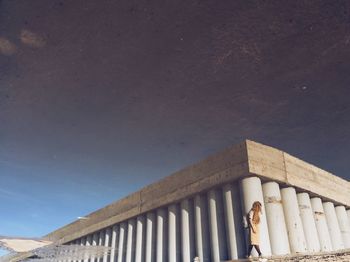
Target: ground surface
338,257
342,256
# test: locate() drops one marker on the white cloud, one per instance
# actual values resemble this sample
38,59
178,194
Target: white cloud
6,47
29,38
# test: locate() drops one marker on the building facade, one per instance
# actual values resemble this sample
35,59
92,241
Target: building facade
198,213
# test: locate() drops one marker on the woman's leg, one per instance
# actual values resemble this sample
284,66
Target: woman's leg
258,249
249,250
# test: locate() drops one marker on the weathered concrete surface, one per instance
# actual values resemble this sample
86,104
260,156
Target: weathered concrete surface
274,164
246,159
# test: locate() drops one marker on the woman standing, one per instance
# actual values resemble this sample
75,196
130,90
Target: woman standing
253,218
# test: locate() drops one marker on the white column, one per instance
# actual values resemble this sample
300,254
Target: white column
88,240
82,243
187,229
77,243
151,237
162,235
348,212
61,256
174,234
107,240
308,220
95,239
140,239
130,246
202,228
114,242
230,222
252,191
94,243
293,220
216,226
275,219
321,225
64,255
344,225
88,243
101,237
239,221
333,226
122,242
72,250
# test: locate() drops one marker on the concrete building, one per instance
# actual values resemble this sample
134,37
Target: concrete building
198,213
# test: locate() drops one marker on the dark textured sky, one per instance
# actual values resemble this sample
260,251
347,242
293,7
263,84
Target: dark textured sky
99,98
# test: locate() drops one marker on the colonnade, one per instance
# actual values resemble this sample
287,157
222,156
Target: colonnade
210,226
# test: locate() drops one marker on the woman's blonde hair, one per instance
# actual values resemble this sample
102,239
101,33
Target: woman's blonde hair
256,212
